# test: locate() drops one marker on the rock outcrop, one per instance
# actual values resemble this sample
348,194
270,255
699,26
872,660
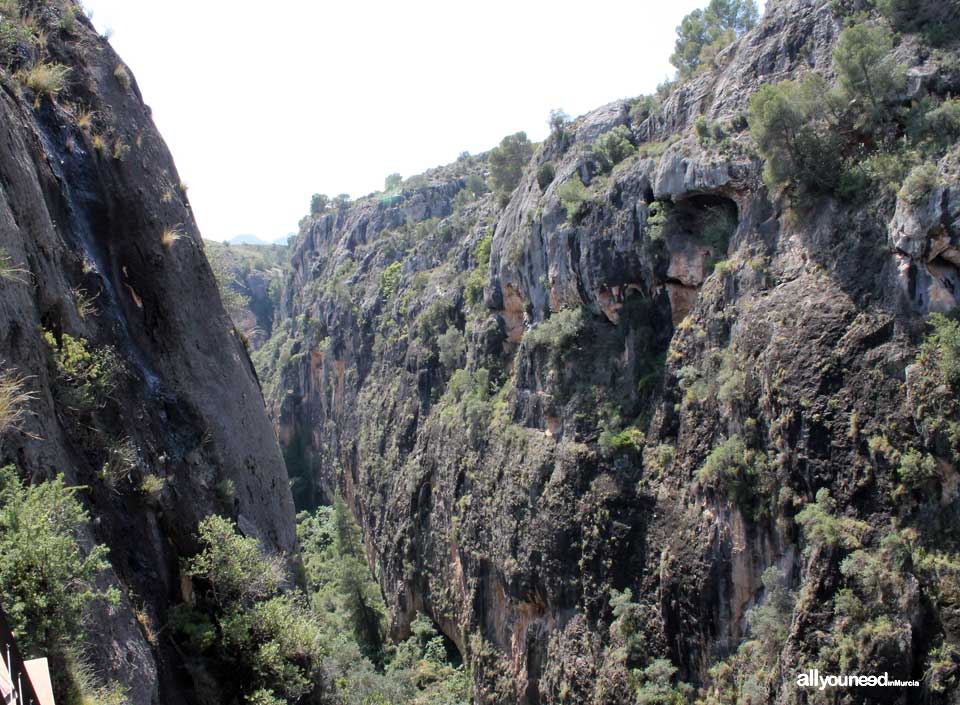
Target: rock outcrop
517,401
101,250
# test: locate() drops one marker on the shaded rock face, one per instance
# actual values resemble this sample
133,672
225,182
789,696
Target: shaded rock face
521,435
85,227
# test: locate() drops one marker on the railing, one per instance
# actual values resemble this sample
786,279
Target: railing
22,687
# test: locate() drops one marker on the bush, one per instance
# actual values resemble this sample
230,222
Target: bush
46,79
122,76
318,204
615,146
737,471
938,19
545,175
942,124
85,378
916,469
574,197
47,580
558,332
919,184
791,124
392,183
869,75
508,160
629,440
703,32
642,108
823,526
452,346
657,685
390,280
770,621
269,639
234,567
478,277
941,348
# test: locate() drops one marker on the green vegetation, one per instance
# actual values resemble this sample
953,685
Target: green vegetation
390,280
392,183
545,175
919,184
474,187
558,333
468,399
738,472
629,440
48,580
792,125
507,162
452,346
319,204
823,526
934,387
267,636
615,146
478,277
938,20
85,378
574,197
46,79
326,645
234,302
858,137
703,33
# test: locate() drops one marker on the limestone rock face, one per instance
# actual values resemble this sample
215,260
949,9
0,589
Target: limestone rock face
85,228
521,433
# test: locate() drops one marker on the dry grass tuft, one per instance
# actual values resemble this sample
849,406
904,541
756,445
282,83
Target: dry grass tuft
46,79
10,272
171,235
86,307
123,76
14,399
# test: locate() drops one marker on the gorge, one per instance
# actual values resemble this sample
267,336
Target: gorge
659,410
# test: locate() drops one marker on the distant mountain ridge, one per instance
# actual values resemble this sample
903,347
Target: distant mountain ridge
247,239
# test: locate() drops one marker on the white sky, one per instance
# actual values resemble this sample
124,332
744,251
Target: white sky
264,104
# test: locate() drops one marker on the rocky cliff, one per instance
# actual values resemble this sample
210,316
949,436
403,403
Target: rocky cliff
143,394
580,425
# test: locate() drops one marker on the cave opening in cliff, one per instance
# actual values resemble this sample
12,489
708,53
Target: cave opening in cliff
710,218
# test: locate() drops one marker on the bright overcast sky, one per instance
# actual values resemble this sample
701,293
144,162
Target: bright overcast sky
264,104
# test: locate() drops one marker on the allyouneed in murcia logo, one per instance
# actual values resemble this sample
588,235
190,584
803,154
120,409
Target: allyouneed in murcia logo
814,679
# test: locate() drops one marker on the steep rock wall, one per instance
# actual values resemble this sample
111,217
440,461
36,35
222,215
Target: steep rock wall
83,210
516,454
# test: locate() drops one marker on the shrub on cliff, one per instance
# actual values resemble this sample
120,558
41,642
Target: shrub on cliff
48,581
791,123
870,79
269,638
939,20
507,162
615,146
318,204
85,378
558,332
574,198
703,32
738,472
